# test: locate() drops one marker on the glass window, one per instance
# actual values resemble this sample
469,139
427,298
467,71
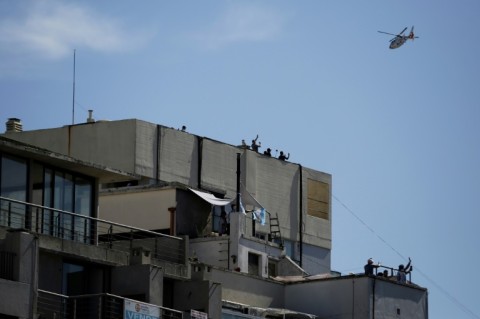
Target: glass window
50,187
83,206
72,194
73,282
63,200
13,184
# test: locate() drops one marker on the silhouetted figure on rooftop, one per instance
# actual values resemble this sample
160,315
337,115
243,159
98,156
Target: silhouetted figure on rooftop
256,146
403,271
283,157
370,266
268,152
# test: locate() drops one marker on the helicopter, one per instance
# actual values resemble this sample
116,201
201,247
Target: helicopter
400,39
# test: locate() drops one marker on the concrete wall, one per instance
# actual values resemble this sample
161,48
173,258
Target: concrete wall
204,296
337,298
116,145
344,297
142,208
19,297
15,299
245,289
399,301
219,167
218,252
180,165
137,280
212,251
94,253
316,259
193,215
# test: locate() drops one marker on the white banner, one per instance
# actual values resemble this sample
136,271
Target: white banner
137,310
194,314
212,199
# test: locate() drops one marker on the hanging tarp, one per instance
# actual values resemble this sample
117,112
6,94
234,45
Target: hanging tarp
212,199
248,199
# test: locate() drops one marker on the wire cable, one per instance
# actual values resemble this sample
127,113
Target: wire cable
455,301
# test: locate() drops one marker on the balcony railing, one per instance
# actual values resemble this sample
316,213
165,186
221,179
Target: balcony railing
390,273
100,306
167,251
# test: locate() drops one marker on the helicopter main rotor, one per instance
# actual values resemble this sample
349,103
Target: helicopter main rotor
395,35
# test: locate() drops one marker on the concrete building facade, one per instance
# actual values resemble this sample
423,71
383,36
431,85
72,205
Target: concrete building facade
300,197
122,231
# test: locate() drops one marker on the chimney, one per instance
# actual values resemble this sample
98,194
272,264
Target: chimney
14,125
90,118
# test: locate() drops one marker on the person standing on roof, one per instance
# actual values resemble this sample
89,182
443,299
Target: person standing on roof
370,266
256,146
283,157
403,271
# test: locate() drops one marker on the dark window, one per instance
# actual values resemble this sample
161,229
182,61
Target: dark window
13,184
253,264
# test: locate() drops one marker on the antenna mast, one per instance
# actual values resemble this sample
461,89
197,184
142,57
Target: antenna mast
73,101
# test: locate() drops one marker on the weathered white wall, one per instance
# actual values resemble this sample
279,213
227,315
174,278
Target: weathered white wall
341,297
178,157
146,209
211,251
219,166
111,144
337,298
399,301
245,289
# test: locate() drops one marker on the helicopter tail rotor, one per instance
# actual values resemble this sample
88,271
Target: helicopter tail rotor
412,34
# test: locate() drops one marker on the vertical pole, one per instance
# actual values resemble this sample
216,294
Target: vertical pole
300,226
73,100
238,182
173,231
237,204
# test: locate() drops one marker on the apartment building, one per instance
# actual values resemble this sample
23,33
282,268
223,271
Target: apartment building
153,241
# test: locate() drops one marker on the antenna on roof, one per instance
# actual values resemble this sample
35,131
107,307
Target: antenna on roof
73,102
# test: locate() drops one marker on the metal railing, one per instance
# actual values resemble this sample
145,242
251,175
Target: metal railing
391,273
62,224
101,306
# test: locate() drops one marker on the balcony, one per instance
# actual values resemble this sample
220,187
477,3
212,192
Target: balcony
168,252
104,306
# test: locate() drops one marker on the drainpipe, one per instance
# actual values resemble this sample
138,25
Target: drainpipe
353,298
157,155
172,221
238,182
373,299
199,152
300,226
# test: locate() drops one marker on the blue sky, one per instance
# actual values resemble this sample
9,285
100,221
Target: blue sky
397,129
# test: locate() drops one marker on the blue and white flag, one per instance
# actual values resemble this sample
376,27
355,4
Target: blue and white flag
242,209
259,215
